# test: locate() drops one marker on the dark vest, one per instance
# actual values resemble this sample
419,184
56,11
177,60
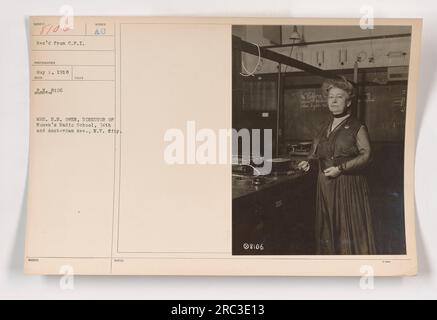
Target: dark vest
339,146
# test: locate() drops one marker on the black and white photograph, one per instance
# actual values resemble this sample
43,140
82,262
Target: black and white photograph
319,116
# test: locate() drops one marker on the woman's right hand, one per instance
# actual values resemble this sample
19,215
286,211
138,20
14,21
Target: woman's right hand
304,165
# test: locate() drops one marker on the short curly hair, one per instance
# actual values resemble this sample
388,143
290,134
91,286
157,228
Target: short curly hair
341,83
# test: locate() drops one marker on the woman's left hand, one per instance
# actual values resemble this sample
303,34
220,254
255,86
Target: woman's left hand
332,172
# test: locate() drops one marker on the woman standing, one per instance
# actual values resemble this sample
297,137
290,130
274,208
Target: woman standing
342,148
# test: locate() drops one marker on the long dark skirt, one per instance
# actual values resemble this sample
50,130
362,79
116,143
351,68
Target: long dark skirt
343,217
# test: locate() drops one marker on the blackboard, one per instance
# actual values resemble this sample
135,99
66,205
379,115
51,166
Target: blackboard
305,110
384,110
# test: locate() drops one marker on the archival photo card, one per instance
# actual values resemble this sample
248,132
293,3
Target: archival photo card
221,146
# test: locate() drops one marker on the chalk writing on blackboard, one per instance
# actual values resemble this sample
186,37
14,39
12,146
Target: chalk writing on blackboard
312,99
